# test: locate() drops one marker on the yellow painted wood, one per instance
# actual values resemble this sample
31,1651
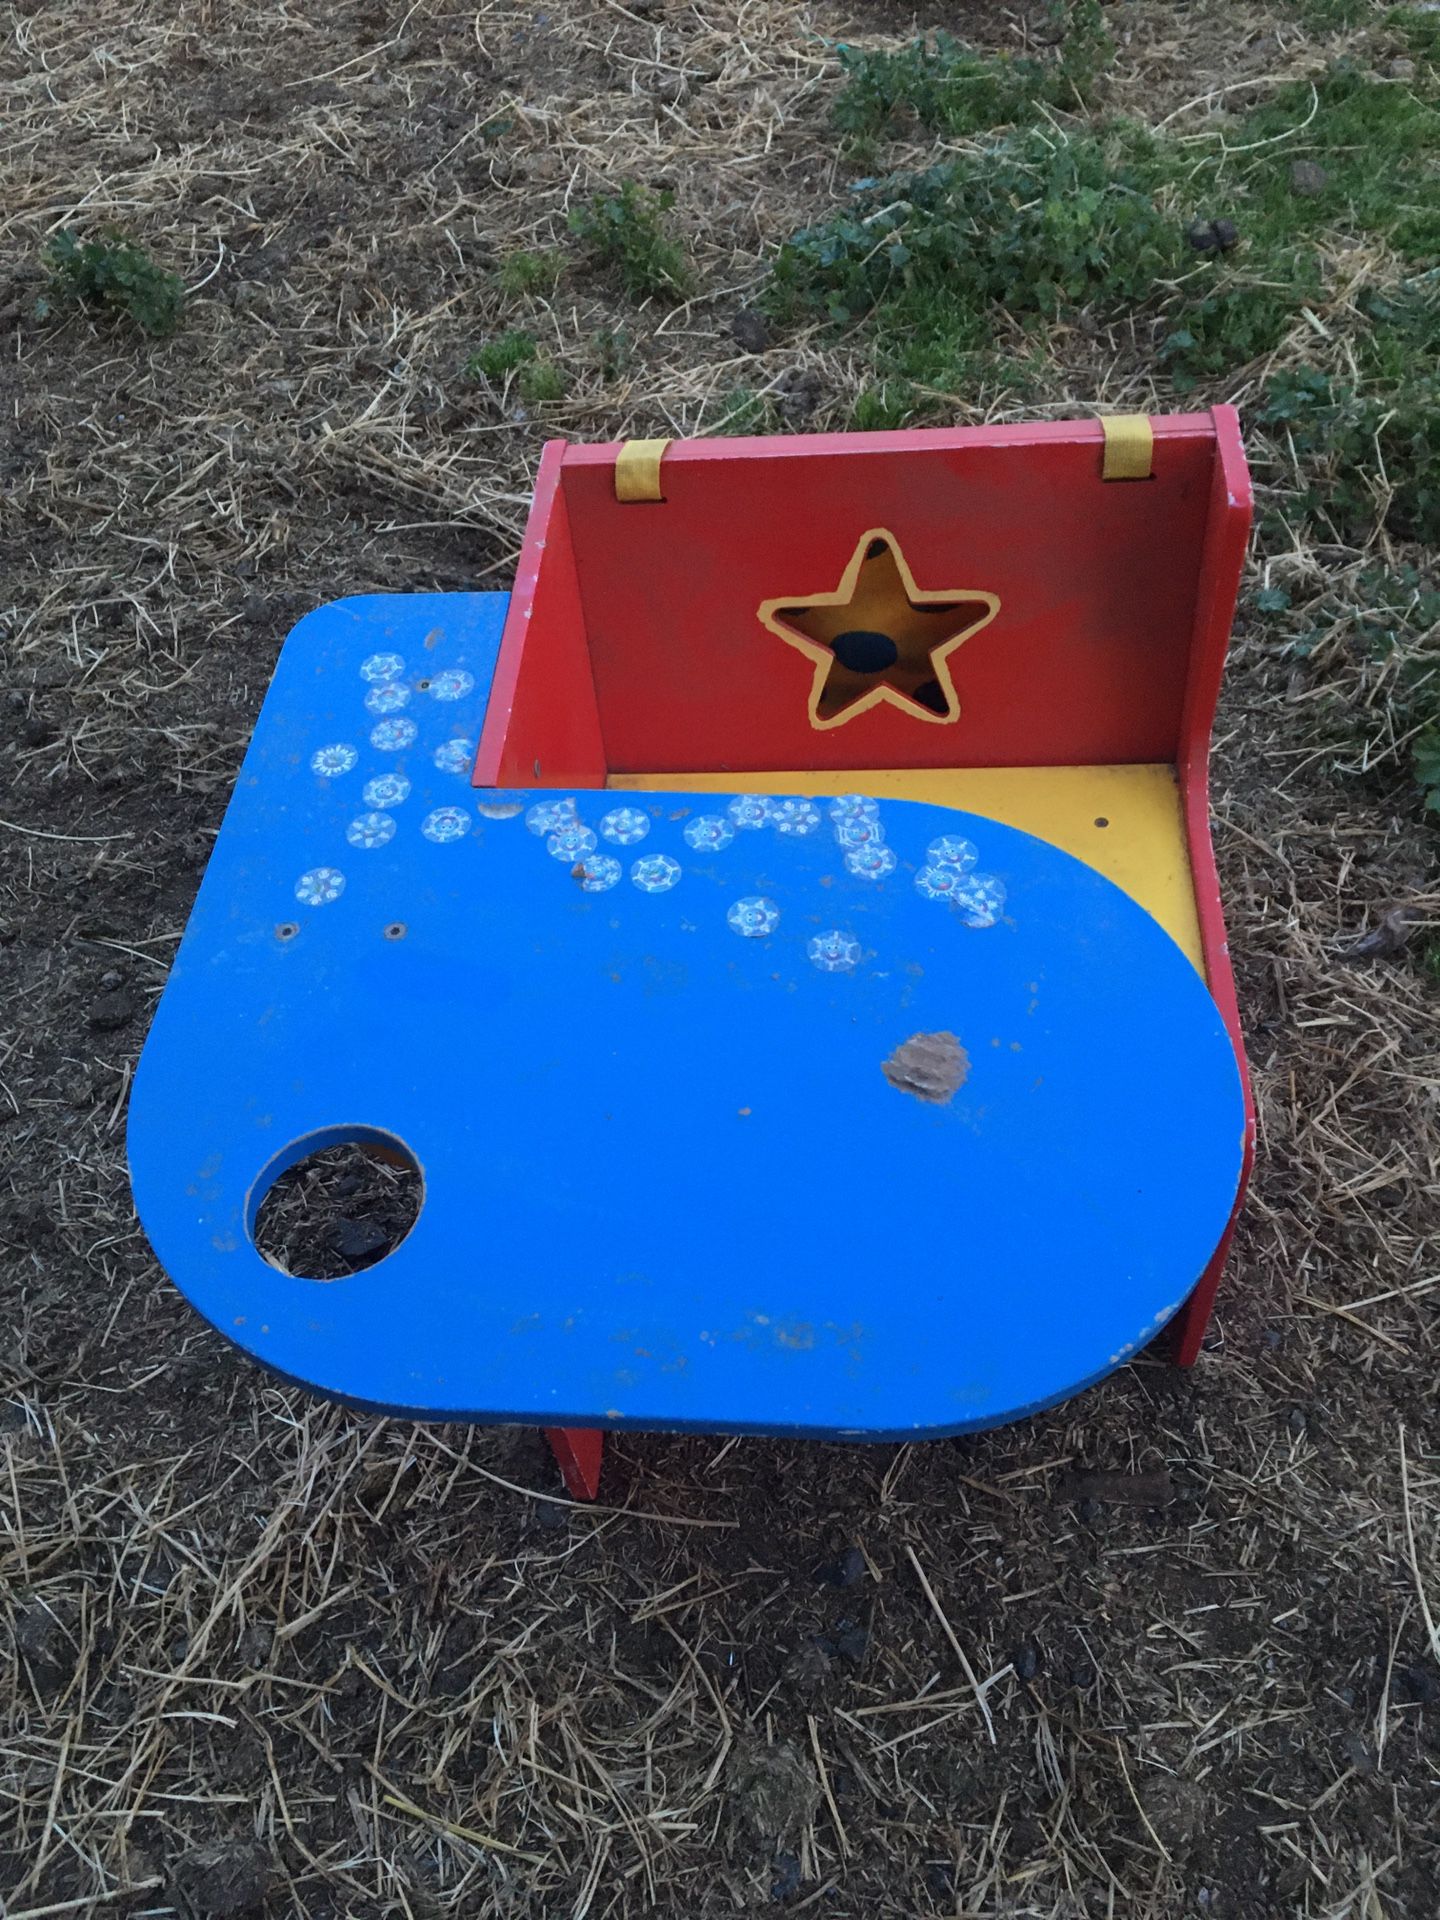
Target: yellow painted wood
637,470
1126,822
1129,447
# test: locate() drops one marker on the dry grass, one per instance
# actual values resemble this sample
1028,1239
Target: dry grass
1169,1650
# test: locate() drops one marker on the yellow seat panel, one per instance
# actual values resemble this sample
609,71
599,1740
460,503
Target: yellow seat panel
1126,822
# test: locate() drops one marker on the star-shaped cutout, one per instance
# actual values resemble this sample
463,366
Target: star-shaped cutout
879,637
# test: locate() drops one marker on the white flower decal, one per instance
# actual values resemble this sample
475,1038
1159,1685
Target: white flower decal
570,843
980,899
709,833
320,886
795,816
754,916
853,806
860,831
950,850
453,684
387,790
656,873
869,863
381,666
330,761
749,810
387,698
455,756
834,952
625,825
597,873
548,815
391,736
370,830
938,883
446,823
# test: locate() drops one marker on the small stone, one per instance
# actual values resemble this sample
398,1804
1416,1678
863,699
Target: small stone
1298,1421
1421,1683
1308,179
1026,1662
850,1641
1383,941
1212,236
111,979
799,392
1082,1676
808,1667
750,330
772,1789
844,1572
1401,69
358,1239
226,1881
111,1011
786,1883
46,1647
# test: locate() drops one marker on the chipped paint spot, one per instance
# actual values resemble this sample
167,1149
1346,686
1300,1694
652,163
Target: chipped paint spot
931,1066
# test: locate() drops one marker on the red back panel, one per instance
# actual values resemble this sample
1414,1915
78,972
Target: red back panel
1085,662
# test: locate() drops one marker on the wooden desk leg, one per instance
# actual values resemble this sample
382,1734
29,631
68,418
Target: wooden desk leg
579,1451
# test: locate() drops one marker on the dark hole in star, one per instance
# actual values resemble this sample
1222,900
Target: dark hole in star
864,651
928,694
875,549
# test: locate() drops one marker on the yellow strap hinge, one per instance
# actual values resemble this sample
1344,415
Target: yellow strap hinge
637,470
1129,447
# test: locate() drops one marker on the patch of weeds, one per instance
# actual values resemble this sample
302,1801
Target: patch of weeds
1031,226
1361,459
1383,628
882,405
614,352
627,232
541,383
501,356
1420,30
1334,16
531,272
1429,958
1037,223
741,411
111,274
1373,143
947,87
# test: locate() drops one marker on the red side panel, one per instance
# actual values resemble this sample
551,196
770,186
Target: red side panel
1224,556
541,727
1084,662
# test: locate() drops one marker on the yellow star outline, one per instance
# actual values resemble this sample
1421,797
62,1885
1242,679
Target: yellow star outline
879,637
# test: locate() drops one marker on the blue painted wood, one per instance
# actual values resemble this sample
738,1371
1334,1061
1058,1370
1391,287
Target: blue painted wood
635,1043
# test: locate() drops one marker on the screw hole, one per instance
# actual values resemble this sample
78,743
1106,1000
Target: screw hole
395,930
340,1208
423,686
1101,821
287,930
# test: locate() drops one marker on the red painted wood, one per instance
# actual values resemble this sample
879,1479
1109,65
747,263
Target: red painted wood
1085,661
580,1453
541,726
1226,535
